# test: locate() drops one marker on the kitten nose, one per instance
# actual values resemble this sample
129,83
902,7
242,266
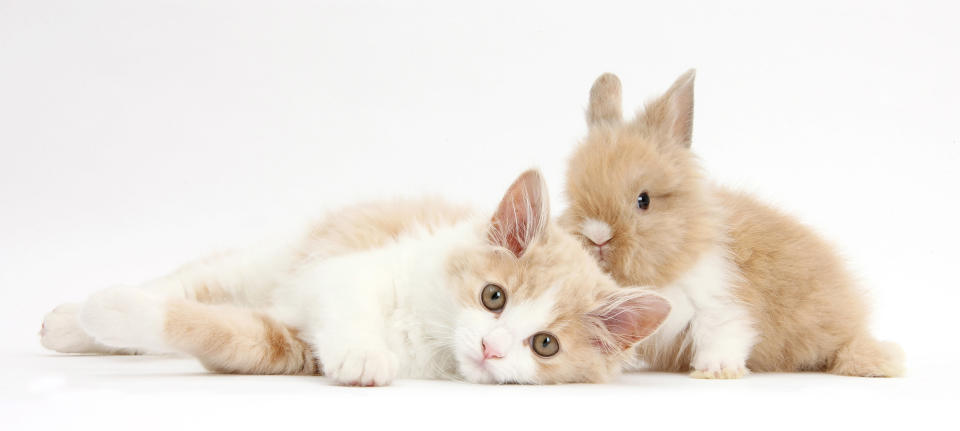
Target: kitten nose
596,231
490,352
495,343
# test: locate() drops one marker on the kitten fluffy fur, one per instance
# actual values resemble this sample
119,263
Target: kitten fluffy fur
752,288
379,291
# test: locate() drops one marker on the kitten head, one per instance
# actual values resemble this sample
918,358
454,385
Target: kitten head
534,307
637,198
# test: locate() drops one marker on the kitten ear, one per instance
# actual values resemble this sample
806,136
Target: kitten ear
605,102
522,215
672,113
629,316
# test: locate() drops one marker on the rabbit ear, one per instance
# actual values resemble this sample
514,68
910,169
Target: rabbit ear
522,215
672,113
605,101
629,316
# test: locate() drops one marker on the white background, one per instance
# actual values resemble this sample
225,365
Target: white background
137,135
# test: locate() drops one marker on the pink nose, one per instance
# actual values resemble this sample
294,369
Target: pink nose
601,244
490,352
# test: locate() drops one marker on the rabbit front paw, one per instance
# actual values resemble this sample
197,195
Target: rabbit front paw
716,367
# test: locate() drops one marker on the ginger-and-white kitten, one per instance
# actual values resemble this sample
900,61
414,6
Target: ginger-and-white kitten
751,287
413,289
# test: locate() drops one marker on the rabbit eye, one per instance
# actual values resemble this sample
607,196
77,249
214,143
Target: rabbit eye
493,297
643,201
544,344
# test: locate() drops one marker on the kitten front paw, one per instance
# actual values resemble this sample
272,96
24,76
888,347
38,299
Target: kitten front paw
124,317
718,369
363,367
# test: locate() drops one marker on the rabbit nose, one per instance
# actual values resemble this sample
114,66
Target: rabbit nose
598,232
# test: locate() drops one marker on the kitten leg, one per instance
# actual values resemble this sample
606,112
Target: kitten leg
352,347
243,277
224,338
723,336
125,317
63,332
229,339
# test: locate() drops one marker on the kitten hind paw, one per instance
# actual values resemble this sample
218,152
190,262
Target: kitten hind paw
61,332
124,317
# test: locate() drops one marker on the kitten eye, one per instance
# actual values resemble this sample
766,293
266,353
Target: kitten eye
545,344
643,201
493,297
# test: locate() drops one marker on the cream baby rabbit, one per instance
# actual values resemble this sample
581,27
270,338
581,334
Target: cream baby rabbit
751,288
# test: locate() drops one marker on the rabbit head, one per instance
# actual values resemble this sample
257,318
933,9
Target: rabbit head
637,198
